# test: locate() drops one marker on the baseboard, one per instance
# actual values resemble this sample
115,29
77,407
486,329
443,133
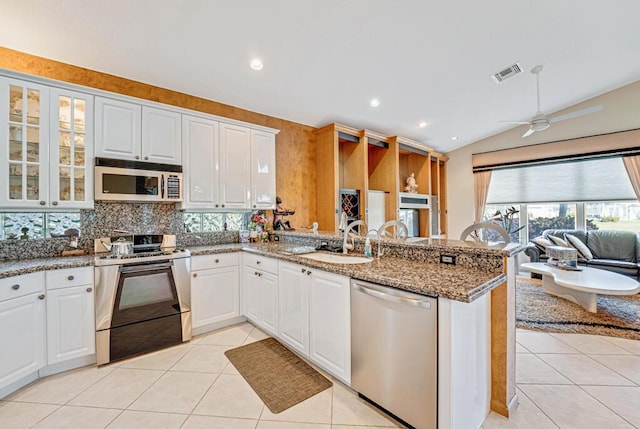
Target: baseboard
18,384
67,365
217,325
505,410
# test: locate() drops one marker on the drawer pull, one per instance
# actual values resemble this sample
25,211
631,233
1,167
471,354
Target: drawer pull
195,275
70,278
308,273
257,262
15,287
41,296
303,271
217,261
89,289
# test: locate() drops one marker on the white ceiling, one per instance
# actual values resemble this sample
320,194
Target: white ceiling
324,60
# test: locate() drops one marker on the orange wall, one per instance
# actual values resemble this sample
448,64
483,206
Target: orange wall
295,144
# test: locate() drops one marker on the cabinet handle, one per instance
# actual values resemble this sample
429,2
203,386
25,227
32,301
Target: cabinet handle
55,203
217,261
195,275
257,262
70,278
222,205
308,273
89,289
15,287
137,157
146,158
254,206
42,203
216,205
41,296
303,271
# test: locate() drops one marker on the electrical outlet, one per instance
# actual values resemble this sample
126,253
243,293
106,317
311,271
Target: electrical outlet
448,259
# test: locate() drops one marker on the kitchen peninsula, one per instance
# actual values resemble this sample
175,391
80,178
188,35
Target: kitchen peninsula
475,305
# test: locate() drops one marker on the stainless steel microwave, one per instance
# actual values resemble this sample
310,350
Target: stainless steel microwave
119,180
413,201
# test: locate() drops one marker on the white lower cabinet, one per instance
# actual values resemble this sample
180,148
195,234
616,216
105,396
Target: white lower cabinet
215,290
261,291
71,329
293,306
260,280
305,308
330,323
22,327
70,323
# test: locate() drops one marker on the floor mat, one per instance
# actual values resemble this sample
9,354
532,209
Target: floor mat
279,377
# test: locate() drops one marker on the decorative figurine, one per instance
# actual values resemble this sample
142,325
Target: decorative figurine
279,212
411,187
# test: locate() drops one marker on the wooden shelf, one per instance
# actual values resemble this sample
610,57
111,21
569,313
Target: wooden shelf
365,160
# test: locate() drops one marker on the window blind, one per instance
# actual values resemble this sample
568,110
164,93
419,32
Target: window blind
603,179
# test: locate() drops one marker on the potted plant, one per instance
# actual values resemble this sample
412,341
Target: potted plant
508,221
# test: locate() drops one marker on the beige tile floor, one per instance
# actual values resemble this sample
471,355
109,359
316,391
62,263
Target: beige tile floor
564,381
574,381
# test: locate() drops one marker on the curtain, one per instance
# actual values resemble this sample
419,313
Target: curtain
481,182
632,165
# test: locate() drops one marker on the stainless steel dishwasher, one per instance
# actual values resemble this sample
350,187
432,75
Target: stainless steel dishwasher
394,358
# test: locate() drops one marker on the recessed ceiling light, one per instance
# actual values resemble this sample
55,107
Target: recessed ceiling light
256,64
422,124
374,102
454,138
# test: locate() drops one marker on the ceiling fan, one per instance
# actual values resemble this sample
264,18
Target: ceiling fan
540,121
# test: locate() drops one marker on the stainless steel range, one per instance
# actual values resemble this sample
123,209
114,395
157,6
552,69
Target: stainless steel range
143,300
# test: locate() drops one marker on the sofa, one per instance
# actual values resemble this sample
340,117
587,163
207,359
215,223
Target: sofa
617,251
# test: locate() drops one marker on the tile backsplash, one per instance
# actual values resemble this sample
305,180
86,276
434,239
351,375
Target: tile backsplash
138,218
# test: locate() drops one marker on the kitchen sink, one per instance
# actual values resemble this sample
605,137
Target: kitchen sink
332,258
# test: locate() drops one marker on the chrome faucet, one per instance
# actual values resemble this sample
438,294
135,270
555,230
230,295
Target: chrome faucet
345,245
379,241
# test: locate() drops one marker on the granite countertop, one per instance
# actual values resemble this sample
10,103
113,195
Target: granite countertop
447,281
508,249
16,267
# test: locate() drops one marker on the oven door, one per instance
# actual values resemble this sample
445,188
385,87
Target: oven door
138,310
144,292
123,184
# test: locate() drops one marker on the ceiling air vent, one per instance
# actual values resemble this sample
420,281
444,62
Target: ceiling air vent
507,73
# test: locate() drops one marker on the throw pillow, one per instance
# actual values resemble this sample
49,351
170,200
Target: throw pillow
583,250
542,243
558,241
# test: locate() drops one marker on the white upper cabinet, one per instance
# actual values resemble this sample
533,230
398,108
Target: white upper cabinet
71,160
227,166
118,129
235,166
24,162
263,170
161,136
130,131
48,150
200,157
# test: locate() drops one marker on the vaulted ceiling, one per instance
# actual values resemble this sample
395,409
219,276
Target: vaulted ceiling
425,60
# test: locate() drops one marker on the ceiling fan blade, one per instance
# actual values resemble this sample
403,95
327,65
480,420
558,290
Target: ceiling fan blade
529,132
515,122
575,114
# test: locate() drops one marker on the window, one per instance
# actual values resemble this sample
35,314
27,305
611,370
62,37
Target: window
613,215
549,216
210,222
490,211
37,225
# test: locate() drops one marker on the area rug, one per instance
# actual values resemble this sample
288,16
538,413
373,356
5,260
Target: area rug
279,377
617,316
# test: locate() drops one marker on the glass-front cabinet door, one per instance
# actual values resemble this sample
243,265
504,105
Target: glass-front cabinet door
71,176
24,133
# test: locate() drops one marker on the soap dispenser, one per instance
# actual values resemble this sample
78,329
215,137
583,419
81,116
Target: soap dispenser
367,248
